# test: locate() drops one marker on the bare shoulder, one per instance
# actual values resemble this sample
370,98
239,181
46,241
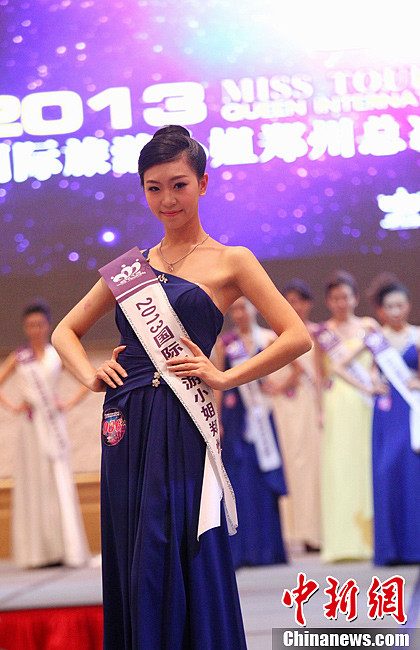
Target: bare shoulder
235,272
236,258
229,258
11,359
370,324
238,254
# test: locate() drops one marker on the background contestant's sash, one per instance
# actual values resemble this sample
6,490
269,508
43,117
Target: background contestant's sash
334,348
50,427
148,310
258,430
398,374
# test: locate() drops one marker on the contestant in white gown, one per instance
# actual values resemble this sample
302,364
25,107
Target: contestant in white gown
47,525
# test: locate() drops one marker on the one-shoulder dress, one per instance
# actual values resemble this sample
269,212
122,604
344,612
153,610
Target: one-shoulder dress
162,588
396,476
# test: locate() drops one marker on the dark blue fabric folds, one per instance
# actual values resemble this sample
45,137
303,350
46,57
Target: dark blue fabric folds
259,538
396,479
163,589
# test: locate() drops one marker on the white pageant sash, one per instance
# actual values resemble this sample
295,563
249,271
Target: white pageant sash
398,374
334,347
146,306
50,426
258,430
53,434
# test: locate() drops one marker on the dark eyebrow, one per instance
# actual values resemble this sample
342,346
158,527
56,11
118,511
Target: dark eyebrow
174,178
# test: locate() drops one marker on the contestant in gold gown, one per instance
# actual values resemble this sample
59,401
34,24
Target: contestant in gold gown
346,470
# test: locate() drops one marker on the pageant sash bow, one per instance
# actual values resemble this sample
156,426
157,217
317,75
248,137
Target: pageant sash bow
52,427
258,430
335,349
145,304
398,374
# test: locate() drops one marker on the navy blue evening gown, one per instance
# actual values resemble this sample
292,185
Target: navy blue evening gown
163,589
259,538
396,478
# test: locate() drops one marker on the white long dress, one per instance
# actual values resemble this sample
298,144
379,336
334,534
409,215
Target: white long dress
47,524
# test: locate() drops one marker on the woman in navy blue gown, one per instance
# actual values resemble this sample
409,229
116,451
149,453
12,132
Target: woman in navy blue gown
396,467
259,538
163,588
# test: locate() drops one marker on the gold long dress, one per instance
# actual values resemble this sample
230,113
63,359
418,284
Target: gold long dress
346,469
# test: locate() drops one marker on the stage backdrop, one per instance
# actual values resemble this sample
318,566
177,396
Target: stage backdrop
309,114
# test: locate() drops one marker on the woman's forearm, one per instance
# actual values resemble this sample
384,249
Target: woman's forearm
73,354
5,401
6,369
285,349
66,336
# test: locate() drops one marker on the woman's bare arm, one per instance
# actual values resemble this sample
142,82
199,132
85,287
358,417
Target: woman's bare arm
66,339
250,280
292,336
6,369
340,369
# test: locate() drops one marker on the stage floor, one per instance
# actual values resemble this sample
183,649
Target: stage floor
260,588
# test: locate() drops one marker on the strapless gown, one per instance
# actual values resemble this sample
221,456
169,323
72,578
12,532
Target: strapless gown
259,538
163,589
396,478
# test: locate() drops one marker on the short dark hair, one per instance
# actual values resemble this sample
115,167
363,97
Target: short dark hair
169,144
391,288
384,284
300,287
38,307
340,277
